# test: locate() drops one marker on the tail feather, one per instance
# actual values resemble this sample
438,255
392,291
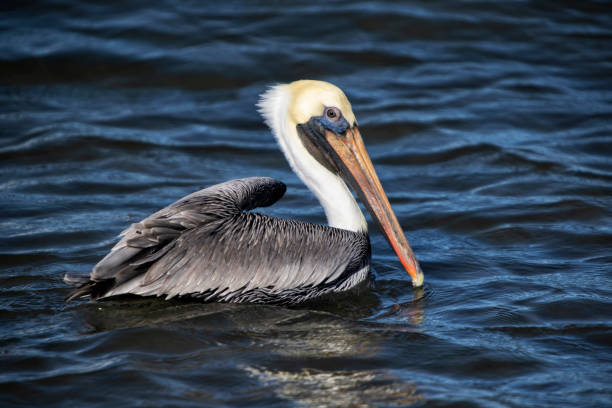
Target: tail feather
86,287
75,280
83,291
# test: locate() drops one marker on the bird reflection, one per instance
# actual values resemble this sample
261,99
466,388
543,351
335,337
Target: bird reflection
318,356
307,356
343,388
412,311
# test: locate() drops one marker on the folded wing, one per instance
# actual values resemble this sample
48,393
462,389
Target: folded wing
207,245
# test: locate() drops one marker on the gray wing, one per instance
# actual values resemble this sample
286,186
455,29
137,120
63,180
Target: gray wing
148,240
207,245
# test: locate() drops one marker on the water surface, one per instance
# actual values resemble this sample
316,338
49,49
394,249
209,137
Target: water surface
488,124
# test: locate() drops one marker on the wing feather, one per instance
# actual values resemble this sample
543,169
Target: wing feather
207,245
288,256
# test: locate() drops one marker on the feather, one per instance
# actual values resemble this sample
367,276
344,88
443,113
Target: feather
206,245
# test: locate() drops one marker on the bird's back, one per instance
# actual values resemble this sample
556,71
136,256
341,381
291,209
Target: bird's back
207,245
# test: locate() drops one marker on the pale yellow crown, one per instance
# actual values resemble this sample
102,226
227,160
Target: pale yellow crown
309,98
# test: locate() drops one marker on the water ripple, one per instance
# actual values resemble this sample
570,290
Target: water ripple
488,124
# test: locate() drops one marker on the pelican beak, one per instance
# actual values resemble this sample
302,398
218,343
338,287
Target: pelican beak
352,160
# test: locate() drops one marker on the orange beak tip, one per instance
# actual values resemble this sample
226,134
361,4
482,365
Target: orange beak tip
418,279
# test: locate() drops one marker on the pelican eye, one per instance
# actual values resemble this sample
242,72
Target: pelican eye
333,114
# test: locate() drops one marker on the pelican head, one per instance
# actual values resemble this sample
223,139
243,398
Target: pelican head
315,126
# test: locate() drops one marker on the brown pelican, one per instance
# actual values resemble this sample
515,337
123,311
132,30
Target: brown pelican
208,245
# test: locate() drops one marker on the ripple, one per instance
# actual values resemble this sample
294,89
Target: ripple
488,124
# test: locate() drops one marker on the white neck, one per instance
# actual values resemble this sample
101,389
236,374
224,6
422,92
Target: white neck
337,200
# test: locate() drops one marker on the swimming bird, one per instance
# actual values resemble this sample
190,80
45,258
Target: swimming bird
209,245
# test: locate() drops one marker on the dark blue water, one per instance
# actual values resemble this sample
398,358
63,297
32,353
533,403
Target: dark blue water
490,126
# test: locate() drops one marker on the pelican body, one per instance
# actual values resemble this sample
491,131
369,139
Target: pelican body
208,245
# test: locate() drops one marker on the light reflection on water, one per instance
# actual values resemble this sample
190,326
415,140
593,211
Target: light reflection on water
488,124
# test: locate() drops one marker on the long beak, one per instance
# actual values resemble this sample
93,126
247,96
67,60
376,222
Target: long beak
358,170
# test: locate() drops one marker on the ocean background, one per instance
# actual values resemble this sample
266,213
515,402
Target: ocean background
490,127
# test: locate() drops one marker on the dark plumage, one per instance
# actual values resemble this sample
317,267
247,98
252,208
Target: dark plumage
207,245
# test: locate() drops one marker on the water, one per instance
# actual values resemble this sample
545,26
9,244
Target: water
489,126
